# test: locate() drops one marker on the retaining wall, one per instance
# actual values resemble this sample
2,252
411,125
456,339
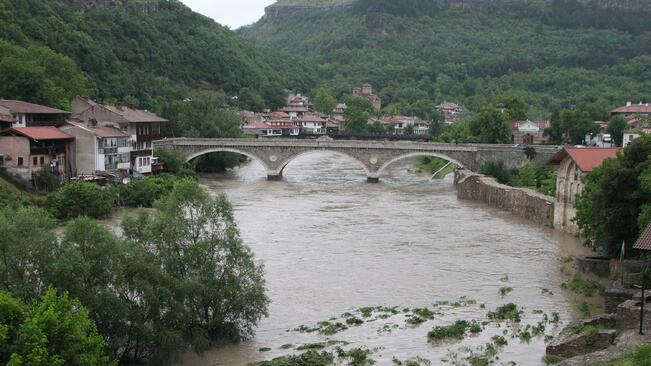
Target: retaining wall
523,202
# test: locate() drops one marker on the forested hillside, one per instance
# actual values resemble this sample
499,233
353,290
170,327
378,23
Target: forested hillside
144,53
553,54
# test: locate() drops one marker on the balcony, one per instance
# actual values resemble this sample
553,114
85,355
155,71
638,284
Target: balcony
149,137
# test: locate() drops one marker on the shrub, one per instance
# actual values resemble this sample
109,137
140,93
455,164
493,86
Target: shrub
505,312
144,192
172,161
83,199
456,330
45,181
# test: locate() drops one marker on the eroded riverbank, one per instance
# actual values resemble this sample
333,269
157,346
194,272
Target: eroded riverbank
332,244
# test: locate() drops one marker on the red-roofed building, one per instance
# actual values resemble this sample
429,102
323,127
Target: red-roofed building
644,241
575,163
16,113
143,127
27,150
529,132
631,111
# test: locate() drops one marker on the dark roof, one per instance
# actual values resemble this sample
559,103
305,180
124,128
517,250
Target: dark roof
644,241
39,133
586,158
17,106
135,115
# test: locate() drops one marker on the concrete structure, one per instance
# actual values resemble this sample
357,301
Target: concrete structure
98,149
27,150
373,156
143,127
575,163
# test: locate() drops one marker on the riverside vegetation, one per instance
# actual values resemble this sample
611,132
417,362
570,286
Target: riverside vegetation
178,277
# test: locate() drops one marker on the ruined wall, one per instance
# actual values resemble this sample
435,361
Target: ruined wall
523,202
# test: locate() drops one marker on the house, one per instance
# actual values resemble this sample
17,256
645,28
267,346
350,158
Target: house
99,149
27,150
366,91
631,111
644,241
575,163
16,113
266,129
529,132
400,124
451,112
143,126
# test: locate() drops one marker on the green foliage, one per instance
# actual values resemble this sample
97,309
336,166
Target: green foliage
145,191
616,128
27,251
46,181
490,127
576,124
536,176
357,114
39,75
612,207
145,53
56,331
82,199
420,50
171,160
455,331
506,312
323,101
310,358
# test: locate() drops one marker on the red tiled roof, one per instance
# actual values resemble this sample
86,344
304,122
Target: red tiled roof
17,106
135,115
644,241
587,158
40,133
633,108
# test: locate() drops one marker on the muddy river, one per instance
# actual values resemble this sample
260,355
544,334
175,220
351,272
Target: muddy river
332,244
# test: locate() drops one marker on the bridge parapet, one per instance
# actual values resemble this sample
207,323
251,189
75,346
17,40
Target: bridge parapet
373,156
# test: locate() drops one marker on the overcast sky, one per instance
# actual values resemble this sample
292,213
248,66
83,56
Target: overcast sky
233,13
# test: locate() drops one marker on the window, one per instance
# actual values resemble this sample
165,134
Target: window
42,160
20,161
34,161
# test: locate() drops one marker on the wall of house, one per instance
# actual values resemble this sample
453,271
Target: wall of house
83,151
13,147
568,186
523,202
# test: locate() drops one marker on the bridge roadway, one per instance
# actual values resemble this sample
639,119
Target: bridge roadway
372,156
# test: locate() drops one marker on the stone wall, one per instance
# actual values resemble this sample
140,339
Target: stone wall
522,202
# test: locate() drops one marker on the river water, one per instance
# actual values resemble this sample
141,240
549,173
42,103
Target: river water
332,243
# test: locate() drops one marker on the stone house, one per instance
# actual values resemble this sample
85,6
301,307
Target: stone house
451,112
529,132
99,149
631,111
575,163
400,123
16,113
27,150
142,126
366,91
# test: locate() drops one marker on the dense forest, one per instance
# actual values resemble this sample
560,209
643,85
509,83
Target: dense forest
553,55
145,53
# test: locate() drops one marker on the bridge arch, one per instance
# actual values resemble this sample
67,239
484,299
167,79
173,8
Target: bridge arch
288,160
231,150
420,153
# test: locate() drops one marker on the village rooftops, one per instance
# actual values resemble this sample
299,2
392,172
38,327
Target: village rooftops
644,241
38,133
586,158
449,106
644,108
100,131
20,107
135,115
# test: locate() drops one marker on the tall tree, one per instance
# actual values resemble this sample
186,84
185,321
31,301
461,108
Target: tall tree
555,130
577,124
490,127
323,101
616,128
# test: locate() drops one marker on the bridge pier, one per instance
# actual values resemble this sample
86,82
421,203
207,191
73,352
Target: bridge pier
275,177
373,179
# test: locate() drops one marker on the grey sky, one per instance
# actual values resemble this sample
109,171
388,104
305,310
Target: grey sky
233,13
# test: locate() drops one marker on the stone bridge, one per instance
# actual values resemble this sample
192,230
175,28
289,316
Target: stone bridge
372,156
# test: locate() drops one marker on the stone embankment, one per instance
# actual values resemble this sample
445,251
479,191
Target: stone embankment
522,202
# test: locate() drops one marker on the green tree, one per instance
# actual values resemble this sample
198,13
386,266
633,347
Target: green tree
357,114
171,160
490,127
555,130
27,250
324,102
83,199
576,124
56,331
409,130
513,106
616,128
612,201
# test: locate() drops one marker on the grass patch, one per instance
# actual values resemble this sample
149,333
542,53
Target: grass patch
505,291
506,312
264,349
311,358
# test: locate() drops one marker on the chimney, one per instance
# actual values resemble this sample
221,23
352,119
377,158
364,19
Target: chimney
628,104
